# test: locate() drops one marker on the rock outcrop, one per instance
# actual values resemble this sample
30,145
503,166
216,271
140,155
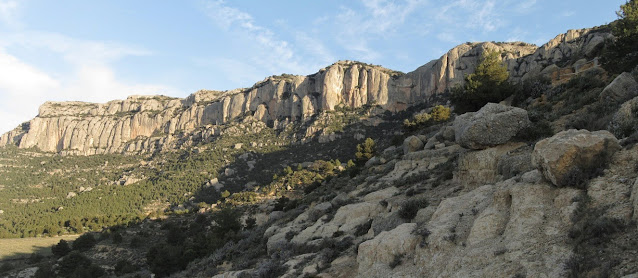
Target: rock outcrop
491,231
146,123
412,144
492,125
572,150
625,120
623,88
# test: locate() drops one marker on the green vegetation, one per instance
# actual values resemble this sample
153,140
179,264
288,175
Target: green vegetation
487,84
410,208
61,249
622,54
84,242
439,113
185,243
365,150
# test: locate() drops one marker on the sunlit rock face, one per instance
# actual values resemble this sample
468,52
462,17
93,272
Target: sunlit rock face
146,123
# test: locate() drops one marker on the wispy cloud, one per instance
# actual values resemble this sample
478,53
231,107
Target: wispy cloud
76,51
85,73
447,37
273,53
525,6
378,19
9,12
475,15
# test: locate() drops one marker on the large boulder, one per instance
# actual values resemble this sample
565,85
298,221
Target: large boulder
625,121
412,144
493,125
570,151
624,87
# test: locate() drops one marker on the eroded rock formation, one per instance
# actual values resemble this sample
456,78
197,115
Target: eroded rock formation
146,123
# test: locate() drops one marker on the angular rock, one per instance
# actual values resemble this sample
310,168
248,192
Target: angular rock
625,121
572,150
492,125
412,144
623,88
381,250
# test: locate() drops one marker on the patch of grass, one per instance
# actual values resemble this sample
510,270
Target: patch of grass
23,247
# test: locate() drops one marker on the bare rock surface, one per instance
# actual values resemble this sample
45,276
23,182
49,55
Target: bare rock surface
412,144
623,88
491,231
492,125
481,167
572,150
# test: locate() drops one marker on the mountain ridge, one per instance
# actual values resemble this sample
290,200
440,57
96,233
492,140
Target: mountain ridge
134,124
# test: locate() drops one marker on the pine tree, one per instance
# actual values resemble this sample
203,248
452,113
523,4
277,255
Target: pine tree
488,83
622,54
365,150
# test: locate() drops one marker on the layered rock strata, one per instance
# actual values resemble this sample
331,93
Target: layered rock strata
146,123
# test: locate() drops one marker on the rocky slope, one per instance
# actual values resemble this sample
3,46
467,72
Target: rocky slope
145,123
501,192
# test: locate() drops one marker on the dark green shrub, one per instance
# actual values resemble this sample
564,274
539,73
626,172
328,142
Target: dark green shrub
175,235
578,176
226,222
363,228
136,242
271,269
410,208
6,267
61,249
90,271
44,271
123,267
535,131
84,242
116,238
164,259
531,88
71,262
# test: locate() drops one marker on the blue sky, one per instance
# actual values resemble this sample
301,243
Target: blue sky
103,50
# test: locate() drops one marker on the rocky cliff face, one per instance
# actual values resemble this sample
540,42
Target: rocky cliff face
145,123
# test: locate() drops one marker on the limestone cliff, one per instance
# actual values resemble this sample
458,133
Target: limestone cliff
145,123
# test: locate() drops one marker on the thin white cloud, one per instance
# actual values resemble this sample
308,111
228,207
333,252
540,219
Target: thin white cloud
316,47
475,15
379,19
525,6
9,12
447,37
271,53
24,87
76,51
516,35
85,73
567,13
